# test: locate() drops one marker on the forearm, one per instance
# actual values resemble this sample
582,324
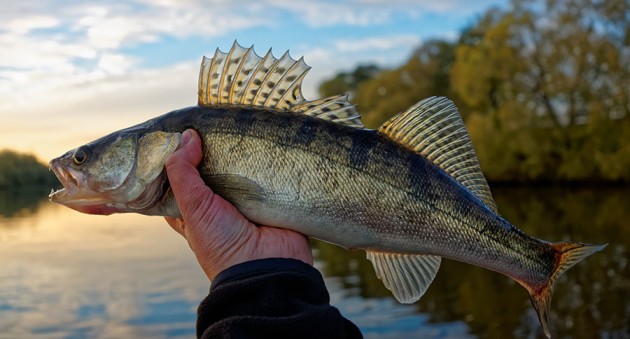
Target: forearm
271,298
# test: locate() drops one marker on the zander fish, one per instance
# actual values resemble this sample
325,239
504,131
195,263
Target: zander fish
409,193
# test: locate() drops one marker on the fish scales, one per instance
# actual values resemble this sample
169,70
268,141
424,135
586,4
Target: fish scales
308,175
408,193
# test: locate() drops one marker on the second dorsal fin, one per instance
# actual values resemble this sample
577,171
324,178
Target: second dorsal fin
241,77
434,129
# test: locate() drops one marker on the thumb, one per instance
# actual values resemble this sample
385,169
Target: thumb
191,193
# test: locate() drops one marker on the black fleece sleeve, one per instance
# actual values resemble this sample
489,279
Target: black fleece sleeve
271,298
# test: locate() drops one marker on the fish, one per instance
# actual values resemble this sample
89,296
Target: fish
408,193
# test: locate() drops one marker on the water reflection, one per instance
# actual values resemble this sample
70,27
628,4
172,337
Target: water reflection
73,275
21,202
64,274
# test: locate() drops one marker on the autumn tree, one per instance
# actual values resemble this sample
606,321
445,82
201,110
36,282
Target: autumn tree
544,88
548,87
20,170
347,82
384,93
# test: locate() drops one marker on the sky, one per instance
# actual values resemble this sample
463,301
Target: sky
72,71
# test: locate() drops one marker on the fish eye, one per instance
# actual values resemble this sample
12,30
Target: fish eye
79,156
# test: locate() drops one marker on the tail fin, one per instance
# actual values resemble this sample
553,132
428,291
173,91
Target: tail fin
569,254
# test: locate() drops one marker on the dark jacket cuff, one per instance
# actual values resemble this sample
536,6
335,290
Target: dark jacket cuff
271,298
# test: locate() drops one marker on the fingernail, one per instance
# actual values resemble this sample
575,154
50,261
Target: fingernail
186,136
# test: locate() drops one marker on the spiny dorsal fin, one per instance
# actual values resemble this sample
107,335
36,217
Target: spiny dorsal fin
407,276
241,77
434,129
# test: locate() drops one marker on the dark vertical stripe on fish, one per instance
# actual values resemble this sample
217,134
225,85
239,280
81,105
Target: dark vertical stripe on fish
243,122
285,135
416,183
306,133
360,151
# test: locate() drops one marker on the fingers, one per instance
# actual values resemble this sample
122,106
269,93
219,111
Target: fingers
191,193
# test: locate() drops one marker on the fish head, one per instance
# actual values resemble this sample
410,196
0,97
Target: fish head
121,172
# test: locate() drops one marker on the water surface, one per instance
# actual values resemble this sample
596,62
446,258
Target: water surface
68,275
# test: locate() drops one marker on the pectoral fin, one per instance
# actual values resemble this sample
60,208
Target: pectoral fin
407,276
235,188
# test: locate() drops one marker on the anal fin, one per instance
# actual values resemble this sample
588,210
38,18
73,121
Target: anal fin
407,276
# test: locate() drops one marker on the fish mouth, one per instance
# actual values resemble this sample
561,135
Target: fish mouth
76,193
68,181
74,190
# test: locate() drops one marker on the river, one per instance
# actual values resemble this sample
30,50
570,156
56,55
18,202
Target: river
68,275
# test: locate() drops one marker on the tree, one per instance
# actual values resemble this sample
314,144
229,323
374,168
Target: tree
543,88
425,74
19,170
348,82
544,82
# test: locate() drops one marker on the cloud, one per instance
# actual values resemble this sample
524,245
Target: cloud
325,13
115,25
116,64
378,43
106,28
26,24
79,43
372,12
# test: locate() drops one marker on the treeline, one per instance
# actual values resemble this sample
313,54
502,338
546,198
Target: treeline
544,89
21,170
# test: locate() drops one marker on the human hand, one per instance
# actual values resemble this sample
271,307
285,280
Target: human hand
218,234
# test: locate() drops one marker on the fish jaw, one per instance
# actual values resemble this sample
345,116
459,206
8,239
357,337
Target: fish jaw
76,193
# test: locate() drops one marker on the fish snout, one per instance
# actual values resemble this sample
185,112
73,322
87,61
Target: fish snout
70,179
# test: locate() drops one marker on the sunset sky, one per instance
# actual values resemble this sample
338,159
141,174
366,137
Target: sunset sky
72,71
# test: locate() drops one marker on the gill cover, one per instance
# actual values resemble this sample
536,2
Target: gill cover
108,170
154,149
125,169
141,186
153,152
